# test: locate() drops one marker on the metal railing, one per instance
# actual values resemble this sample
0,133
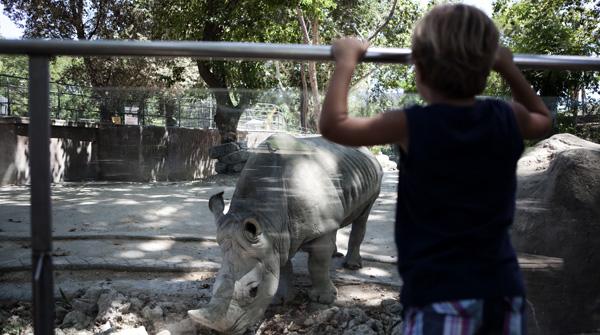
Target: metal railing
40,51
239,50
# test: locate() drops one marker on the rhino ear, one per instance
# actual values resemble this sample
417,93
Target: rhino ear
216,205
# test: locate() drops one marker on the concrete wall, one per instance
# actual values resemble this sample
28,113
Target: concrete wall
129,153
125,153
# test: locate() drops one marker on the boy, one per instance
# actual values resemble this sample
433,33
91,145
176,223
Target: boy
456,190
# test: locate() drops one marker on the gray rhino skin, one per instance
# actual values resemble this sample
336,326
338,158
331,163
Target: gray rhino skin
292,194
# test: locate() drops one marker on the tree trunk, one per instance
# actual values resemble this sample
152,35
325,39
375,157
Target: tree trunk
312,67
303,99
169,105
227,114
312,72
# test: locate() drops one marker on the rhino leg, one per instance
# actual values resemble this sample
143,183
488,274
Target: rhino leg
286,290
319,261
336,253
353,261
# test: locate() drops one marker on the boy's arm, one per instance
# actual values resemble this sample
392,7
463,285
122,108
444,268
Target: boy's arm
336,125
531,113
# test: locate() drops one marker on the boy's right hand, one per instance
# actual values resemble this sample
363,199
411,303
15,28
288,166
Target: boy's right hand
503,60
349,49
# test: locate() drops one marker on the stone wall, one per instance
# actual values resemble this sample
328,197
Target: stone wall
72,153
82,152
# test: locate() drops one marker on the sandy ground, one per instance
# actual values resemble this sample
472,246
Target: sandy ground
147,246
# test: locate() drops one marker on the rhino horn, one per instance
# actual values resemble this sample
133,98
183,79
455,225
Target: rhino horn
217,205
204,317
218,316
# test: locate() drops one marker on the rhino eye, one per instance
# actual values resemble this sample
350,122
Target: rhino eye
251,230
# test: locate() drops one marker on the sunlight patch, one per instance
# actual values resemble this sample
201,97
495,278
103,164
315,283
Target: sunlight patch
167,210
132,254
126,202
156,245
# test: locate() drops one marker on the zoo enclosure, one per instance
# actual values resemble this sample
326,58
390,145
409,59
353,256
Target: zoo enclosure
40,51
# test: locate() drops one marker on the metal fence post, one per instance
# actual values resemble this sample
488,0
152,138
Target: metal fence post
8,95
179,112
41,210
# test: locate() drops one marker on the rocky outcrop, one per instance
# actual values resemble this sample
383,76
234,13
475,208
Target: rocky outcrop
231,157
558,214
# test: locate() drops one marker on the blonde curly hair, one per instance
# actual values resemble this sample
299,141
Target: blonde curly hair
453,47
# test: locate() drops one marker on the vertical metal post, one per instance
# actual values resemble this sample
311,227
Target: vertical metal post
58,102
41,210
179,111
8,94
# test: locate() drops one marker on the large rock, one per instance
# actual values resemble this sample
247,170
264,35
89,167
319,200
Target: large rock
558,214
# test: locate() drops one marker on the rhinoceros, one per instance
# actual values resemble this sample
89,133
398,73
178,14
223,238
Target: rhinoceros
293,194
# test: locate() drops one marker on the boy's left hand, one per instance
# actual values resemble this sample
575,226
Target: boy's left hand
349,49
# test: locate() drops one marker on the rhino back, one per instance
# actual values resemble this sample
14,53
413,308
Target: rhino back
356,173
306,187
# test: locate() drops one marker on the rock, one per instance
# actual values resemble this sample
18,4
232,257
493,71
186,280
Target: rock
112,304
392,306
558,215
223,149
397,328
76,319
152,314
136,304
4,315
106,327
386,163
59,313
361,329
221,168
237,167
235,157
93,293
85,306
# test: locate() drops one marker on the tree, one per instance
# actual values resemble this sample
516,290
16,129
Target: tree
230,20
387,24
553,27
90,20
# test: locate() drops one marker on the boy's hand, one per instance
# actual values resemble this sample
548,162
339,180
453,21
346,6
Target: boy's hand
349,49
504,59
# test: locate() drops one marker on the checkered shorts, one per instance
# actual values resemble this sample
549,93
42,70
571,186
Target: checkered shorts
467,317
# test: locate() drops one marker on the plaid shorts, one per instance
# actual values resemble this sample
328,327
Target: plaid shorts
466,317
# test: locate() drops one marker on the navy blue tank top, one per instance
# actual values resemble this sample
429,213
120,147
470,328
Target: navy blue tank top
456,201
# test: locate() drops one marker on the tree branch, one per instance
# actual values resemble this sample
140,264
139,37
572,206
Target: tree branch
99,15
385,23
300,16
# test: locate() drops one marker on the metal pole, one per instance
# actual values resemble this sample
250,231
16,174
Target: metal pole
41,210
242,50
179,111
58,102
8,94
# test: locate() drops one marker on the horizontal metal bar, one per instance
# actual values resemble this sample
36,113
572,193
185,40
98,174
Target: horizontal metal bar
253,51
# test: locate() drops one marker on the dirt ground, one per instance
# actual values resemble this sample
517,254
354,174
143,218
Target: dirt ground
133,258
103,309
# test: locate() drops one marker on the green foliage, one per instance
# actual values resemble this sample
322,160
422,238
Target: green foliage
553,27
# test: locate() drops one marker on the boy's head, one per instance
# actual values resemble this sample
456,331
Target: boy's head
453,48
